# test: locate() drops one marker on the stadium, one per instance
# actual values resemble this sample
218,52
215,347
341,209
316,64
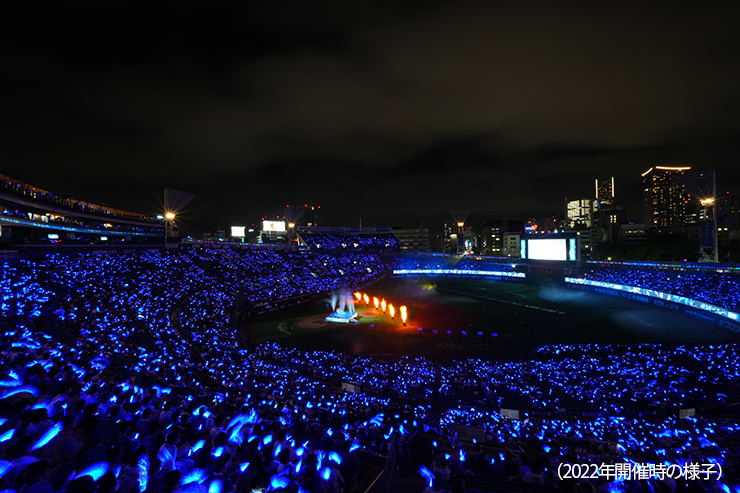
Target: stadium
215,366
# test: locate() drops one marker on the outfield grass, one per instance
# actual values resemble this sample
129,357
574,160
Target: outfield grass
522,316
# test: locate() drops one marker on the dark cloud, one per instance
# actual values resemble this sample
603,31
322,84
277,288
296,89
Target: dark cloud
394,111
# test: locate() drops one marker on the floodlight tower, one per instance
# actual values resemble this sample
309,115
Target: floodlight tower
292,215
174,201
459,217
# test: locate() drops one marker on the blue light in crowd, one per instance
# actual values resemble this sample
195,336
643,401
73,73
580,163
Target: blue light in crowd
195,476
427,475
198,445
216,486
95,471
717,310
20,390
143,470
48,435
10,383
7,435
5,466
277,482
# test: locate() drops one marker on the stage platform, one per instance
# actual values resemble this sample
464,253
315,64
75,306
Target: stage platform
342,317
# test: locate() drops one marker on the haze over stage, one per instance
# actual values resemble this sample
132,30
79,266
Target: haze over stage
342,302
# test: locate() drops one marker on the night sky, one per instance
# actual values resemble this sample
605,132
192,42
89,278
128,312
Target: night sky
393,111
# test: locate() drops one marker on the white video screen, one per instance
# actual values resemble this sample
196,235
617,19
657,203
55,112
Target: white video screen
237,231
547,249
278,226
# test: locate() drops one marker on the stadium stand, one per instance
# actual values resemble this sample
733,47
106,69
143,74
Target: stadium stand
718,289
343,241
32,213
122,373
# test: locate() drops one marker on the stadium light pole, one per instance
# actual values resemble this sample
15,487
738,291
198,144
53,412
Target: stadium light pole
168,216
174,201
459,217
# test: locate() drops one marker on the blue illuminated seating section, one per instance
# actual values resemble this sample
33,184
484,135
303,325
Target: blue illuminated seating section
124,373
46,200
715,288
429,262
345,241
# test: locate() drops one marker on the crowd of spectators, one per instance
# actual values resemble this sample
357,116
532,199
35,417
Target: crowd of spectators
460,262
148,389
21,191
343,241
124,373
720,289
75,222
70,422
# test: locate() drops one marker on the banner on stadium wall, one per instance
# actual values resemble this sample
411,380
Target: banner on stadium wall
550,271
510,413
350,387
683,413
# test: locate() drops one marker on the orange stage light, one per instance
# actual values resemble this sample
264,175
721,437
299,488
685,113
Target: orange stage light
366,298
391,310
376,302
382,305
358,296
404,314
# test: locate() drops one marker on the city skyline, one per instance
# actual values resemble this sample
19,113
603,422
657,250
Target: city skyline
393,112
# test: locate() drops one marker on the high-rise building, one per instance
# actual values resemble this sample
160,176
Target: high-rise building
412,239
665,202
579,213
728,210
632,234
492,238
607,222
550,224
604,192
450,240
728,218
511,244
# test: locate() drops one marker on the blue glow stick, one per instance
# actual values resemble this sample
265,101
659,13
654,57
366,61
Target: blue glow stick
95,471
48,435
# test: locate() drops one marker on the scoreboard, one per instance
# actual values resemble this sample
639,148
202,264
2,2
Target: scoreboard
553,248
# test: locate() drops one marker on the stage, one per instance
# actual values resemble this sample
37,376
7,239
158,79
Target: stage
342,317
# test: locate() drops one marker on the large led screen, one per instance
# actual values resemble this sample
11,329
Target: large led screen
278,226
547,249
